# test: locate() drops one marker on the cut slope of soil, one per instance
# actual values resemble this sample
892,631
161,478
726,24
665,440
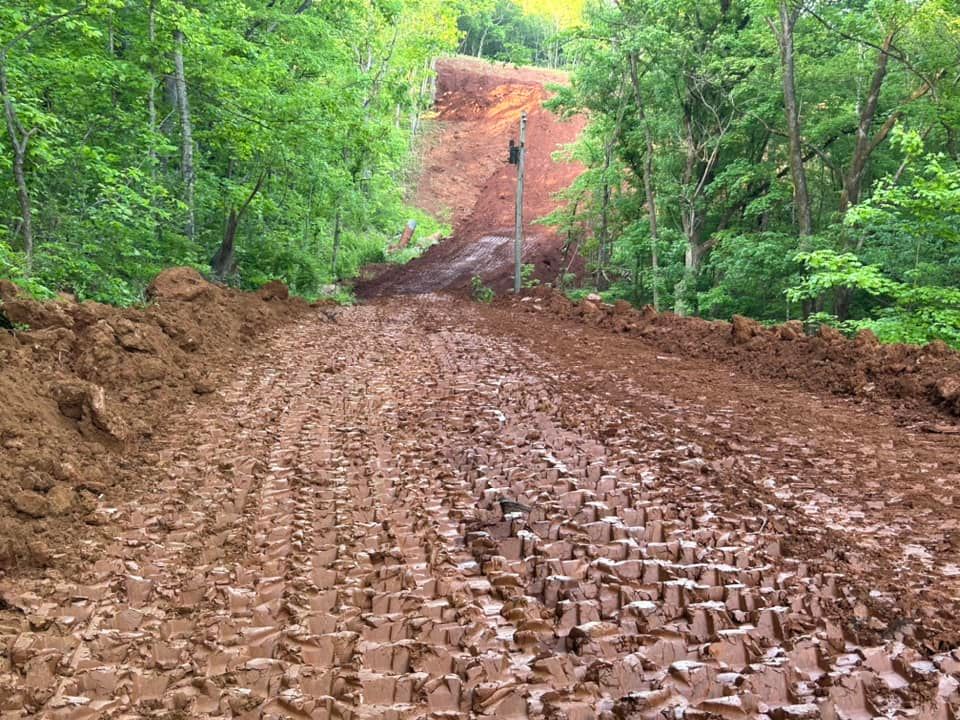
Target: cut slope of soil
466,176
84,387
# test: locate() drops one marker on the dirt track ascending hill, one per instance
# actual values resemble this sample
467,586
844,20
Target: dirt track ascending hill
466,177
322,540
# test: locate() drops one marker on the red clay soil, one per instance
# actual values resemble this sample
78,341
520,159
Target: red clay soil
82,390
466,176
323,538
922,382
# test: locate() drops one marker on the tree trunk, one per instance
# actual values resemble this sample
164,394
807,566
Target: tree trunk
336,245
801,195
152,95
602,237
854,180
483,37
19,140
953,147
648,185
690,220
23,198
187,170
223,262
19,136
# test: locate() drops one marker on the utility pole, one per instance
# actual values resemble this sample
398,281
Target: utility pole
521,157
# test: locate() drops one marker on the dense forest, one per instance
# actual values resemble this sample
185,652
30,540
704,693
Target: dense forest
774,159
770,158
529,32
249,138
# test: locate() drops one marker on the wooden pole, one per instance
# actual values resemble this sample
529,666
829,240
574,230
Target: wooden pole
521,167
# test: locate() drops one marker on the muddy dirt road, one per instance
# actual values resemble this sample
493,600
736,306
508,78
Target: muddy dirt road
323,540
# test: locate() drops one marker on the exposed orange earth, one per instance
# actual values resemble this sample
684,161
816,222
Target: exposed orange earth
466,176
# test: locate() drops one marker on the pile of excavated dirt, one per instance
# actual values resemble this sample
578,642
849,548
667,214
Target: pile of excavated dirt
466,177
919,377
83,389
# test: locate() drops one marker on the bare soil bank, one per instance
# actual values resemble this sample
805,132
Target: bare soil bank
82,392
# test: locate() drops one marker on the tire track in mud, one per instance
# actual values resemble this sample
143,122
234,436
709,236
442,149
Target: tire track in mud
325,542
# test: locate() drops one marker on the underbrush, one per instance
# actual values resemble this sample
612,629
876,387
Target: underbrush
117,273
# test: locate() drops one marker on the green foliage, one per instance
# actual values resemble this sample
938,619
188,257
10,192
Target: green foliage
527,279
13,267
429,232
750,275
914,314
481,293
687,100
507,31
340,295
302,117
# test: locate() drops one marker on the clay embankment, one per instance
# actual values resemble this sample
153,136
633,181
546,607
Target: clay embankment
322,539
85,387
921,382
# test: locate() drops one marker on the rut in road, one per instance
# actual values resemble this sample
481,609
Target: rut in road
325,542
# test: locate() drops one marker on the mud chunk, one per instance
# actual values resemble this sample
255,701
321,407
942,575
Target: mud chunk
182,283
61,499
133,338
8,291
8,341
37,481
85,401
648,313
830,334
55,339
937,348
792,330
37,315
866,339
743,329
645,704
807,711
588,308
70,399
274,290
65,471
204,386
948,390
24,648
30,503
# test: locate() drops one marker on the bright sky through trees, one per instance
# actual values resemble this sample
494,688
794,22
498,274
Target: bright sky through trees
566,13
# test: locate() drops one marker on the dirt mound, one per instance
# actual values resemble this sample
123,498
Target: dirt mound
466,176
178,284
922,377
83,388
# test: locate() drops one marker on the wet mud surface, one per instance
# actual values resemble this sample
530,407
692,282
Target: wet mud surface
322,538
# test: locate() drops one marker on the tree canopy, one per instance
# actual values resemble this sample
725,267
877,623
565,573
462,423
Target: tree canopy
262,138
772,158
